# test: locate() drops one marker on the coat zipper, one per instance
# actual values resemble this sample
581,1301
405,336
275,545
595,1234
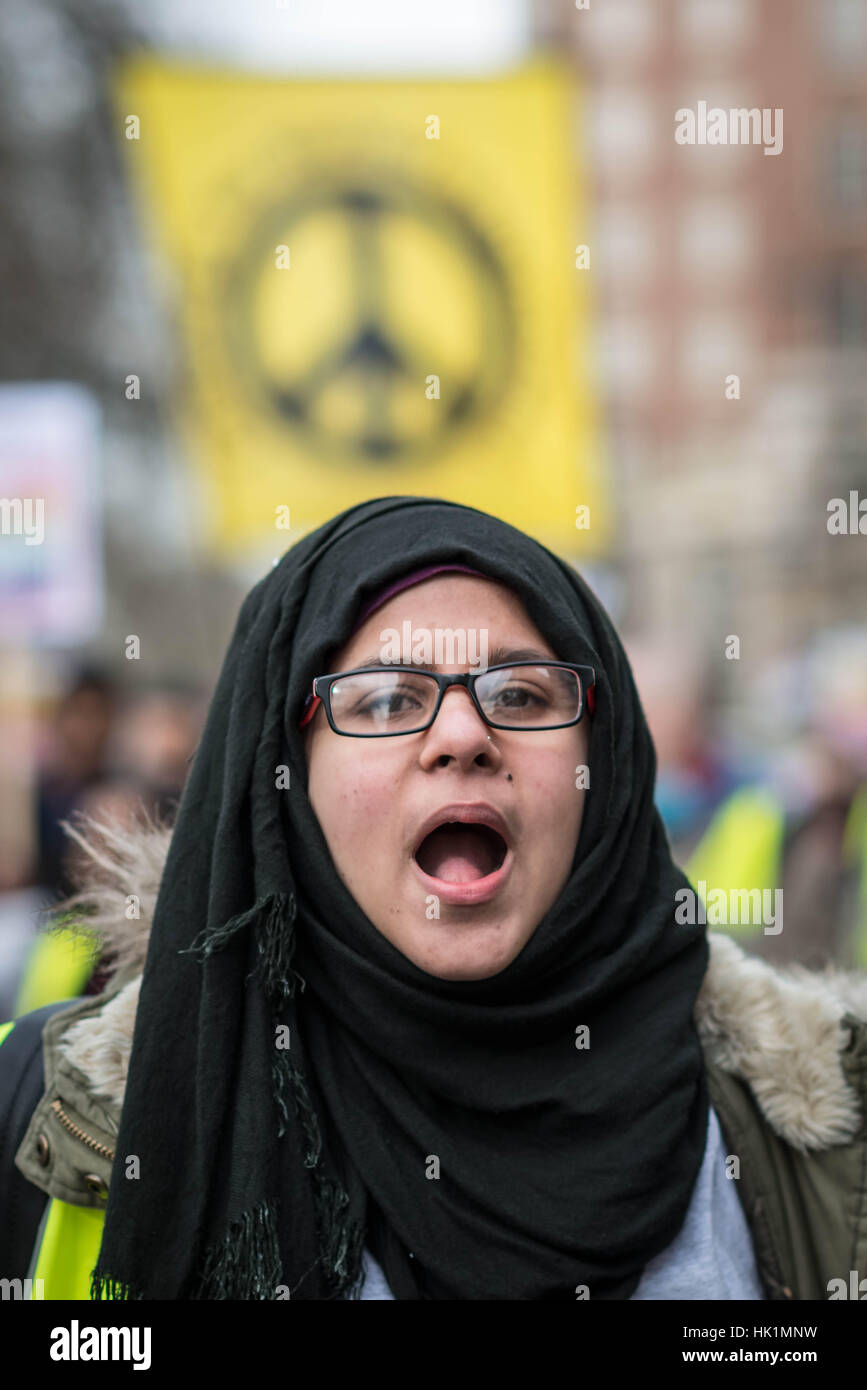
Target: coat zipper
101,1149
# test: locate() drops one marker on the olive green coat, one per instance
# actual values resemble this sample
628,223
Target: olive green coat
786,1055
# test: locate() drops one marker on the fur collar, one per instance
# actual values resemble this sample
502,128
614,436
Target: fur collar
781,1031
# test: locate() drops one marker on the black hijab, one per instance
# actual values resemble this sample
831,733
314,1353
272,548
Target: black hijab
266,1168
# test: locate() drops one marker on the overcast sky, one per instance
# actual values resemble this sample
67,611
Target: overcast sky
402,36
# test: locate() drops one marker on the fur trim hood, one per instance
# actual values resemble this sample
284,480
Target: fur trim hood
780,1031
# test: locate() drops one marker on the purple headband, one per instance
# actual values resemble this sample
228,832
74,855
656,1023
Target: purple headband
405,583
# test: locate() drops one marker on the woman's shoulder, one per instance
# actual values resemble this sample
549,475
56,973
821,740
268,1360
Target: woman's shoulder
68,1148
796,1038
786,1063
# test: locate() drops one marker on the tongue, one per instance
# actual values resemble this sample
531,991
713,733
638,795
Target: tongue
456,854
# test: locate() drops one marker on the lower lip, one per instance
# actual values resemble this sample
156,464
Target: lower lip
479,890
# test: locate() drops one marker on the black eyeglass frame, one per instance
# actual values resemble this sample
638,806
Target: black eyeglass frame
322,691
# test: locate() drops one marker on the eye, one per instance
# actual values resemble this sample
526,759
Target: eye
389,701
517,695
381,699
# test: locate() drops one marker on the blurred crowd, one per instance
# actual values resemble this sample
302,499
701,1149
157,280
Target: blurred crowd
101,752
770,793
110,757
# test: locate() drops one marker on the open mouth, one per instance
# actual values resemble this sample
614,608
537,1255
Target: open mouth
461,852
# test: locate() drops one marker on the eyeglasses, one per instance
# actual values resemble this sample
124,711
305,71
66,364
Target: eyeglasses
384,701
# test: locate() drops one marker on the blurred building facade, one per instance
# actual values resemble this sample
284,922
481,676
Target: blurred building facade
721,260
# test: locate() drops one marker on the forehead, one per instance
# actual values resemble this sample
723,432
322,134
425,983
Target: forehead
446,601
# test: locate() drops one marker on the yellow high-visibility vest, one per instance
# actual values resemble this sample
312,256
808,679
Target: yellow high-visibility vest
68,1241
59,966
68,1250
742,849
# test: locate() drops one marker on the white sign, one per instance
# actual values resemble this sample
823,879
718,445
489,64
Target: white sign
51,571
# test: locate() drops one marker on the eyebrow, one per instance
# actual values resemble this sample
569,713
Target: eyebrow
499,656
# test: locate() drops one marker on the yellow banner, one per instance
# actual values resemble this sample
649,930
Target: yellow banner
379,290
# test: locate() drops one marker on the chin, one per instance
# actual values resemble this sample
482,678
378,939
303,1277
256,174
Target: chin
461,958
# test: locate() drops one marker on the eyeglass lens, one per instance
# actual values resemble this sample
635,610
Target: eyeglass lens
388,702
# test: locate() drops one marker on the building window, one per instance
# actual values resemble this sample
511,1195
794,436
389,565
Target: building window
847,307
843,31
716,238
847,166
711,26
712,347
618,32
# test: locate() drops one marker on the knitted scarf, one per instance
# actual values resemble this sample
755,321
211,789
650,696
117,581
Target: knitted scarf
292,1072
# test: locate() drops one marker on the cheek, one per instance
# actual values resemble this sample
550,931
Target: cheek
351,797
553,801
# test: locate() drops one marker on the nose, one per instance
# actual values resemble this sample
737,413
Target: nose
459,733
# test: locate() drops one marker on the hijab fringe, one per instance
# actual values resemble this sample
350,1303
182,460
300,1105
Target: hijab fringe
104,1286
247,1259
342,1241
273,918
244,1265
275,943
287,1079
246,1262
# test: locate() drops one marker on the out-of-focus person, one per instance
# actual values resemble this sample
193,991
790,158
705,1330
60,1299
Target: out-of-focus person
695,770
133,763
72,762
802,827
156,738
